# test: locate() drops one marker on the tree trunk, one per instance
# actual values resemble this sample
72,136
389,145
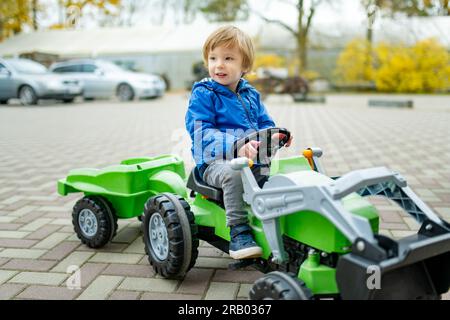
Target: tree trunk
369,42
302,35
34,9
301,52
369,34
302,46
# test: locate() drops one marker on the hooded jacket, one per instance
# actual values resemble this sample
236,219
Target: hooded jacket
217,116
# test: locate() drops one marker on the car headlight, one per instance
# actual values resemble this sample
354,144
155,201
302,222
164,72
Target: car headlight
54,84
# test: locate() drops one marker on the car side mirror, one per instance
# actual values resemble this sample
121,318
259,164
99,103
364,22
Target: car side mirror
99,72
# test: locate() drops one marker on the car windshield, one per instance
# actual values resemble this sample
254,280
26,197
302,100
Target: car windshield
27,66
110,67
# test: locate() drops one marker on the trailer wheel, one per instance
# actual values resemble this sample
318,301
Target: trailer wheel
170,235
280,286
94,221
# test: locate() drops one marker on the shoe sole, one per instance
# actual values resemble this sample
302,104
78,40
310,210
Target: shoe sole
248,253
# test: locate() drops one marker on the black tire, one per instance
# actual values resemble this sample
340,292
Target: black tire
102,213
3,101
68,100
125,92
27,96
181,245
88,98
280,286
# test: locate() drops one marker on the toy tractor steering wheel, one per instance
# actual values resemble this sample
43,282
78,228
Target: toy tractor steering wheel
265,137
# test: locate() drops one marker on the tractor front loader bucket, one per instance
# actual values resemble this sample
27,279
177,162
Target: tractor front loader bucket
415,267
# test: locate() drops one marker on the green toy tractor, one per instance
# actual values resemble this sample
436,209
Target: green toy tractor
319,235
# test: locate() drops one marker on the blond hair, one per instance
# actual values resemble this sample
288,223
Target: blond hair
230,36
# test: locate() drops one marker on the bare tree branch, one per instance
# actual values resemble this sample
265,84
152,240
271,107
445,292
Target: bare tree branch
279,22
309,20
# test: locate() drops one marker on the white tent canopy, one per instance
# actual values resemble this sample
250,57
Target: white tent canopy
110,41
184,38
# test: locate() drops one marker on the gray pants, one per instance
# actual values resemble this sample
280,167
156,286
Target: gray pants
219,174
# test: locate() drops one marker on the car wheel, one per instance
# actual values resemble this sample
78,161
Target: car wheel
125,92
88,98
68,100
170,235
94,221
3,101
27,96
280,286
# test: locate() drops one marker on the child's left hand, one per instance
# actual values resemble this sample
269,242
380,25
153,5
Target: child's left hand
280,136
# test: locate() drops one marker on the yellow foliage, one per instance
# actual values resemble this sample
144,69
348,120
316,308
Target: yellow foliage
266,61
57,26
14,14
424,67
354,64
102,5
269,61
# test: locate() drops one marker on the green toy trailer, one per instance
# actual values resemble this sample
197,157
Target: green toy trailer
119,191
318,234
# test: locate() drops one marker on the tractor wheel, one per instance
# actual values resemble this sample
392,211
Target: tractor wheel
280,286
170,235
94,221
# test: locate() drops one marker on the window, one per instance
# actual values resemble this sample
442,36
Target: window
66,69
88,68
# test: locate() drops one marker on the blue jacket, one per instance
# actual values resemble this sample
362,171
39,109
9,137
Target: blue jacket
217,116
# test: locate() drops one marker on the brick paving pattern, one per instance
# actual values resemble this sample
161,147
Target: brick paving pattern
39,145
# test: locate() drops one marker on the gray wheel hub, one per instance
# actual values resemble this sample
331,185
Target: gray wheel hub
26,96
125,93
159,239
88,222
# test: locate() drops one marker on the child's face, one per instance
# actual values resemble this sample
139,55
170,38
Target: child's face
225,66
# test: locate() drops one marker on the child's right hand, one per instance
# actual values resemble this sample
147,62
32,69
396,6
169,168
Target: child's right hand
249,150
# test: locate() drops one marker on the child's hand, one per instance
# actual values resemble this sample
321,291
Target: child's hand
280,136
249,150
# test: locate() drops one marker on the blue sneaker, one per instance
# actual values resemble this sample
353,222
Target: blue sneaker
242,245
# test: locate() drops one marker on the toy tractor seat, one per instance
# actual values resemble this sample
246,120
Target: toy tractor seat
196,183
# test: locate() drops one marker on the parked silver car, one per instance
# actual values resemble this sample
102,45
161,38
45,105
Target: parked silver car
30,81
103,79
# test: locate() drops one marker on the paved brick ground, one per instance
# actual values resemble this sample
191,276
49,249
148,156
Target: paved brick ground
39,145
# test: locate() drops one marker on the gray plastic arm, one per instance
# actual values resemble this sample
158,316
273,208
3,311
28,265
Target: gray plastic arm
355,180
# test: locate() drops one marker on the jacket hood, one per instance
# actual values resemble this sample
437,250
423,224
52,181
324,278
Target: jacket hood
212,85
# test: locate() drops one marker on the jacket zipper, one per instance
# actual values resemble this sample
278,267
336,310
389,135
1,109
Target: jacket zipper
246,110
